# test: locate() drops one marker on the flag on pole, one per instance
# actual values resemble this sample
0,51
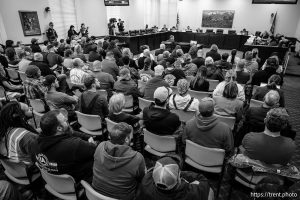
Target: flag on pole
272,29
177,22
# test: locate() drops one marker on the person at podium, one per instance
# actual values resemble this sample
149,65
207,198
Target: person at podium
164,29
188,29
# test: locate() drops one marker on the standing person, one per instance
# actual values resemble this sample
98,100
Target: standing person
120,25
51,33
84,30
35,47
109,65
72,32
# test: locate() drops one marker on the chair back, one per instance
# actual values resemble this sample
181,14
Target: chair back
128,101
22,76
199,95
160,143
110,124
103,93
141,85
212,84
2,92
143,103
204,156
14,168
91,194
59,183
89,122
256,103
38,105
13,74
230,121
184,116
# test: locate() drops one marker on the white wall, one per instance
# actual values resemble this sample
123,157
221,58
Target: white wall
93,14
253,17
11,20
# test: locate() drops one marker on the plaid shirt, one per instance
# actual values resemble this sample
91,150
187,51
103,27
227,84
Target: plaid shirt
34,88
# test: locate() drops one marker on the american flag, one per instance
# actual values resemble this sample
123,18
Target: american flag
177,22
272,29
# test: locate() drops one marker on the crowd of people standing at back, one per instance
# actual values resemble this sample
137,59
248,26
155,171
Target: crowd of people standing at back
69,76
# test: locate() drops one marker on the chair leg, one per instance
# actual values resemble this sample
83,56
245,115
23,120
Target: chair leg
220,181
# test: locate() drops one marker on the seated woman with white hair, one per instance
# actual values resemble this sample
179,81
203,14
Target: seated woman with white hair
213,72
77,74
229,77
182,100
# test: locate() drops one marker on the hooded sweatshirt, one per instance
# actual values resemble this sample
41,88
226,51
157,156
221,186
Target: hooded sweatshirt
65,154
152,85
117,170
209,132
160,121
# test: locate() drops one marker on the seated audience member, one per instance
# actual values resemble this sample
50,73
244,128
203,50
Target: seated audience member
233,59
77,74
274,55
157,117
155,82
115,50
106,80
64,152
17,137
141,60
199,60
109,65
161,49
179,55
68,61
206,129
255,56
166,55
128,87
100,49
269,146
133,70
3,60
273,82
44,46
12,91
44,67
53,58
242,77
25,57
167,181
35,46
199,83
8,191
230,76
61,47
58,99
33,85
228,104
146,73
89,45
182,100
213,53
251,66
127,53
193,51
118,170
189,68
94,55
213,72
262,76
78,53
91,101
223,63
11,56
175,72
116,105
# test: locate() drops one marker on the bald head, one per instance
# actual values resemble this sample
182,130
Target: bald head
200,53
162,46
271,99
206,107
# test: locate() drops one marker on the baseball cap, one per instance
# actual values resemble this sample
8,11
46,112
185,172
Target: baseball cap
33,40
165,173
49,79
162,93
158,70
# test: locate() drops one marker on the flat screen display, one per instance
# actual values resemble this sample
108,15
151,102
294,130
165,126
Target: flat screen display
274,1
116,2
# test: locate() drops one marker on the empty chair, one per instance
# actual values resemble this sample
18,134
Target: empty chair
90,124
17,172
230,121
143,103
38,105
232,32
159,145
256,103
91,194
128,103
205,159
212,84
209,31
103,93
219,31
110,124
184,116
61,186
199,95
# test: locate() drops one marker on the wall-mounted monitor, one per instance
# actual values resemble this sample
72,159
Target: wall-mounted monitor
116,2
274,1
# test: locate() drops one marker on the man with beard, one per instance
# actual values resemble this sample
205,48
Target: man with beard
58,151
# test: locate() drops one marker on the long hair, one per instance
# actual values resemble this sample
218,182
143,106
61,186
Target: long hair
233,54
200,77
12,116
